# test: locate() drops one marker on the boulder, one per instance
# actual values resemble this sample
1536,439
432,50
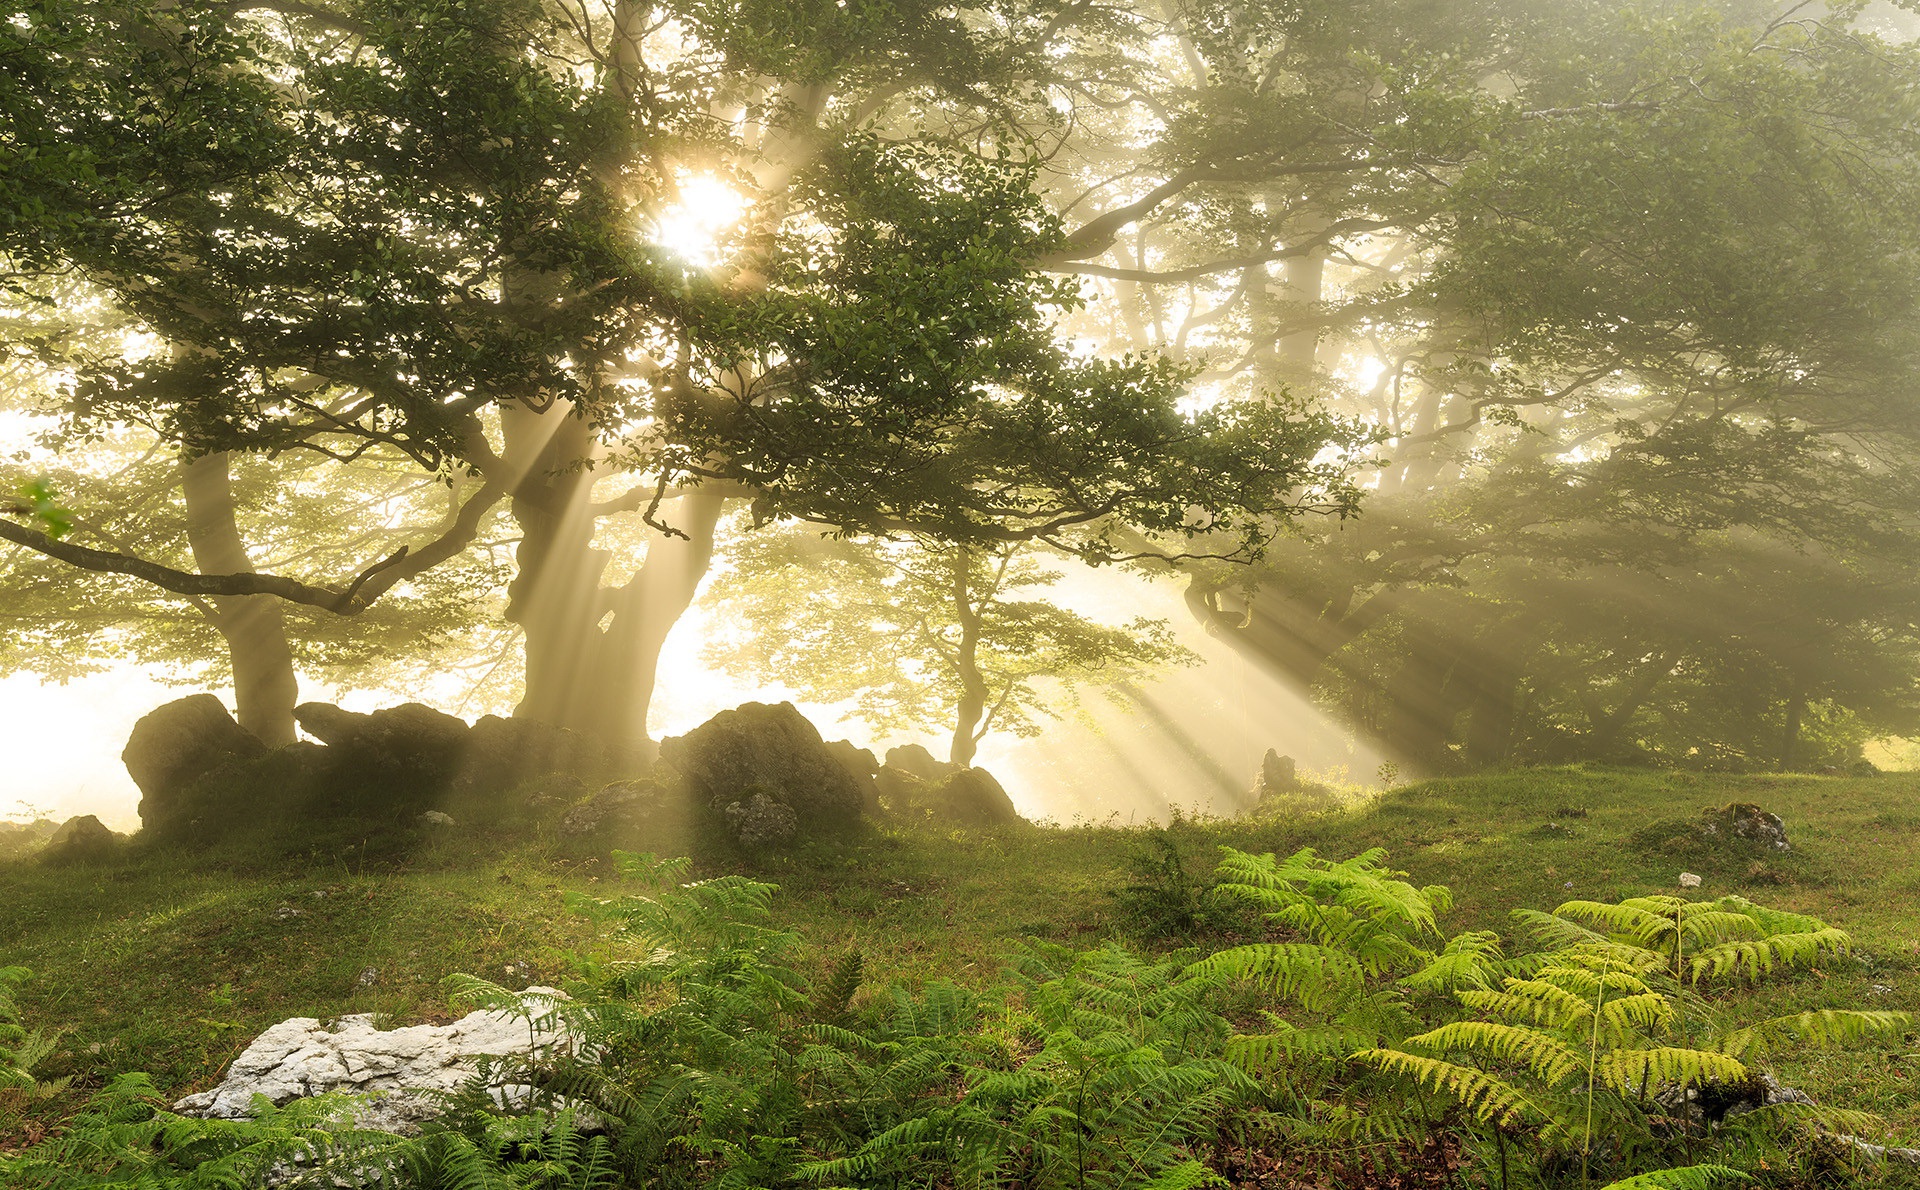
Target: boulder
916,761
176,744
81,840
411,738
404,1070
628,811
967,796
1744,820
767,750
973,796
760,821
858,762
1278,774
500,754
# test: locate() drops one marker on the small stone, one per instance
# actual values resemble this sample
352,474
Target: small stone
1689,880
283,911
1879,989
437,818
368,977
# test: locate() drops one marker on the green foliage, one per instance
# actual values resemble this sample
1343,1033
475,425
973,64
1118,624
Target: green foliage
1598,1047
1686,1177
39,503
919,634
699,1050
21,1050
1162,899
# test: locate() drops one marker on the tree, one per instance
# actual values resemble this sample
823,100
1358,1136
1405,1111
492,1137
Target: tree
379,225
918,632
1620,288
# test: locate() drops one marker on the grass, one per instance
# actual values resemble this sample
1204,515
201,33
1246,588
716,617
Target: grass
172,963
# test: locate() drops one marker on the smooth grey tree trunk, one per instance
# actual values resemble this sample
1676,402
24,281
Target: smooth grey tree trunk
265,687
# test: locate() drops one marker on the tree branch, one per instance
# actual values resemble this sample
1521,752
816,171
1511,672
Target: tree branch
359,593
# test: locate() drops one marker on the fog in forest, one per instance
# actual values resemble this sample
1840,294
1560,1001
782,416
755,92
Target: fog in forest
959,594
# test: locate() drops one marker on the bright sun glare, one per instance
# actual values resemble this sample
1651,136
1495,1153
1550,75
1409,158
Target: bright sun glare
694,227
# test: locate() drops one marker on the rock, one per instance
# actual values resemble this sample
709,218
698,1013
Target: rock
403,1069
1744,820
915,761
974,796
175,744
81,840
967,796
861,766
412,738
1278,774
638,810
771,751
761,822
438,818
503,753
1689,880
1710,1103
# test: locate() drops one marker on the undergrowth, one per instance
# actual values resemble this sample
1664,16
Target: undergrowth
697,1050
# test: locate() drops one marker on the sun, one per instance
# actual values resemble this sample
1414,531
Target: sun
694,227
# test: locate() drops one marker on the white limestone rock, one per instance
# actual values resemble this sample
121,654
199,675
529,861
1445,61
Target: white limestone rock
404,1070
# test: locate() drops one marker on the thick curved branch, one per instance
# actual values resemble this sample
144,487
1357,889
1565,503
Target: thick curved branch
358,594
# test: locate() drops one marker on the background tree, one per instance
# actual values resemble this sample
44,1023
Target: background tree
921,634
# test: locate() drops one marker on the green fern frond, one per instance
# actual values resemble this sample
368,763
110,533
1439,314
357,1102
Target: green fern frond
1819,1027
1540,1053
1686,1177
1753,958
1470,960
1490,1099
1310,974
1628,1071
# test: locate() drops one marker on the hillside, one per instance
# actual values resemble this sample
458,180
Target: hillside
171,963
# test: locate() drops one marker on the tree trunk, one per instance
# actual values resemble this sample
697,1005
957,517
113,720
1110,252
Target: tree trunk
973,687
592,653
555,595
265,688
1790,737
644,613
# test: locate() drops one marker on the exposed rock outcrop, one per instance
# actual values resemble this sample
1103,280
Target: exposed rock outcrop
204,777
81,840
176,744
410,741
771,751
404,1069
1744,820
629,812
913,784
1278,774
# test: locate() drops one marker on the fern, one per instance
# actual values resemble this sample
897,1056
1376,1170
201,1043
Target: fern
1686,1177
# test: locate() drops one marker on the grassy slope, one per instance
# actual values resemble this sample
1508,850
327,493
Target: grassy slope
171,964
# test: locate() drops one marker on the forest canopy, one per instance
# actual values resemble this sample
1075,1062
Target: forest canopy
1529,381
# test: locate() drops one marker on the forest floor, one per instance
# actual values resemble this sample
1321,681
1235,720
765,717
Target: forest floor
171,963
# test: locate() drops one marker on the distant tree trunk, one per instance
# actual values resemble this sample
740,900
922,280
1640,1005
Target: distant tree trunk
265,688
1492,714
1608,728
973,687
1304,284
1790,737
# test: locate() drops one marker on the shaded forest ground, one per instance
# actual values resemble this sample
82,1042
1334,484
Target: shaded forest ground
172,963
